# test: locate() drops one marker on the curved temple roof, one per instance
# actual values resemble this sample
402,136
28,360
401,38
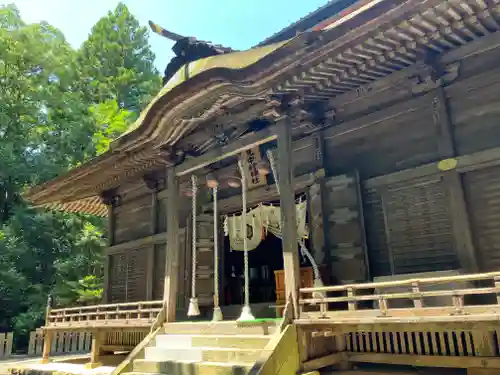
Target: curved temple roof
40,195
232,61
371,40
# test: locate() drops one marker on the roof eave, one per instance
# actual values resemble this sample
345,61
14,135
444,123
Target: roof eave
309,21
177,97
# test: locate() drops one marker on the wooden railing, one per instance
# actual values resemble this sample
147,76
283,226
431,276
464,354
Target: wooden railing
480,293
448,321
133,313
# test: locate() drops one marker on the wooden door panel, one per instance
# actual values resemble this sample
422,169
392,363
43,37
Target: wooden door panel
419,226
205,260
345,232
117,278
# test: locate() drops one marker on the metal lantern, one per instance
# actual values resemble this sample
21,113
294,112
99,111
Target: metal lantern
211,181
234,180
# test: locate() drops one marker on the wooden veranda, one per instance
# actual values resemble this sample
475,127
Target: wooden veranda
113,327
396,322
450,322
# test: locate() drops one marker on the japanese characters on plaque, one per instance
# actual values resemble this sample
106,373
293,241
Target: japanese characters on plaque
250,159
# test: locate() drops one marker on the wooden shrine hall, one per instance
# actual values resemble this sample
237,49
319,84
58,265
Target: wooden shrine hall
320,200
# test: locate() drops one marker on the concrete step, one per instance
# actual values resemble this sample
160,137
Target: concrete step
221,328
225,355
189,368
173,341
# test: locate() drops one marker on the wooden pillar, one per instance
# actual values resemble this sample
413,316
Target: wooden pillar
451,177
460,222
111,225
441,116
48,335
154,210
109,201
151,249
150,264
172,251
316,207
288,213
105,292
47,345
98,338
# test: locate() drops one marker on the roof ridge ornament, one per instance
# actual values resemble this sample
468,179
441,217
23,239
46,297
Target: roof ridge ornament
187,49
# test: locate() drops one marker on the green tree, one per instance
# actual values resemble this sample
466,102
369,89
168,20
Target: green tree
116,62
43,253
38,106
59,107
111,121
42,125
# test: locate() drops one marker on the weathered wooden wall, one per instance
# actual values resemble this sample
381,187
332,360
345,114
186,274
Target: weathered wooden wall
136,257
474,112
394,138
128,265
417,217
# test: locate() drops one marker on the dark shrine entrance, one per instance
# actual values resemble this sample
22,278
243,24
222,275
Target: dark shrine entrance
263,261
265,271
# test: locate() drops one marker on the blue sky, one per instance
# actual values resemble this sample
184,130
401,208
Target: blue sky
233,23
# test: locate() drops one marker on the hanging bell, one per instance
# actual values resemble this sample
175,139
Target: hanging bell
211,181
263,167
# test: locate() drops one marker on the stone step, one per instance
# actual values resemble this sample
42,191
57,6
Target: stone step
172,354
189,368
225,355
172,341
221,328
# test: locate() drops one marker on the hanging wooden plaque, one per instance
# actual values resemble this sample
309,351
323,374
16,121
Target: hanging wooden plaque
251,159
